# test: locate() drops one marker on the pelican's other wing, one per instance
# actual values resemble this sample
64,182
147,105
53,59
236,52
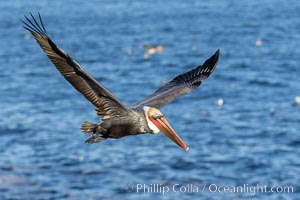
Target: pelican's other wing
180,85
106,104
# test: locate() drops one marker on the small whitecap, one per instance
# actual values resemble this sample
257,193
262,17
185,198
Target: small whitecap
194,47
80,158
258,42
272,110
232,86
129,51
220,102
297,100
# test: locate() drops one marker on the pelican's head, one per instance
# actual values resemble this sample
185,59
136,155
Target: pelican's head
157,122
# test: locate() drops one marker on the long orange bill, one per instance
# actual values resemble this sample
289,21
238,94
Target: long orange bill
166,128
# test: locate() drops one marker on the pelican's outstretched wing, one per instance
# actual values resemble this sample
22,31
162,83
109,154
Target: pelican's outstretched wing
180,85
106,104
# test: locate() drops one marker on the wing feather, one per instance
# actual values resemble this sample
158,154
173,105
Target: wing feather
106,104
180,85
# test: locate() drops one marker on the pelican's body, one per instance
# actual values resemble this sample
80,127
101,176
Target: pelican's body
119,120
132,122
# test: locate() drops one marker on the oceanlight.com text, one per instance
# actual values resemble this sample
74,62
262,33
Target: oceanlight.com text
209,188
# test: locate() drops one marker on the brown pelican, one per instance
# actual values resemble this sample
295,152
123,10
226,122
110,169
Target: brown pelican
119,120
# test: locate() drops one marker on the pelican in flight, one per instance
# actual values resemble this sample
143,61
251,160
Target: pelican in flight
119,120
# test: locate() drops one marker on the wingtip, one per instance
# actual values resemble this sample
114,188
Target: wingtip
210,64
216,56
213,60
217,53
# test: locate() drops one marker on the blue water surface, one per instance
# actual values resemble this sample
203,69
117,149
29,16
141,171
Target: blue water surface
43,154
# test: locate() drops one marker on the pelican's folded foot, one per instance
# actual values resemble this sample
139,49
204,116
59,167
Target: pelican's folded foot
92,129
92,140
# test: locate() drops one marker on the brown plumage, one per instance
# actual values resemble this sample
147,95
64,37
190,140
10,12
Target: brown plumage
119,120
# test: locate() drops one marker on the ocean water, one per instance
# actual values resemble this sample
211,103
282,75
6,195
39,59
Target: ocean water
235,145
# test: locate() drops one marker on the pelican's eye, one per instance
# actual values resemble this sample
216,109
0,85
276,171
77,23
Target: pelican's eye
157,116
